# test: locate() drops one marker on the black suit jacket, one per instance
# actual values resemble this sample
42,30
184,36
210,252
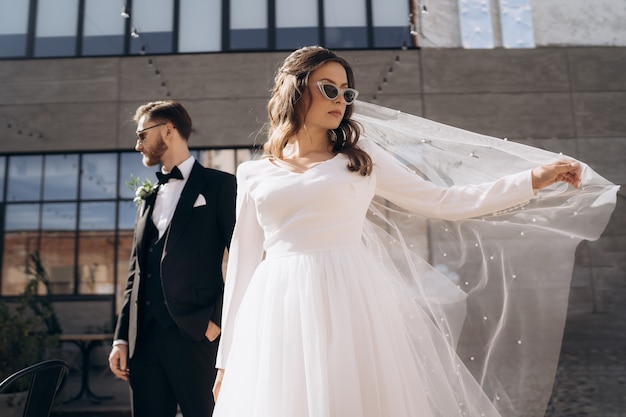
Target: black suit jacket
191,265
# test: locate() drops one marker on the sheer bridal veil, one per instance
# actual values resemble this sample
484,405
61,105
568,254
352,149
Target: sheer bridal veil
496,287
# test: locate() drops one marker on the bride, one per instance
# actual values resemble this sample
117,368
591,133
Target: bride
330,307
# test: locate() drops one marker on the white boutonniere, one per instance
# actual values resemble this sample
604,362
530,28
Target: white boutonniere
142,191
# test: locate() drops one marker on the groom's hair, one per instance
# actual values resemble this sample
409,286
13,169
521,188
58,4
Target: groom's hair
170,111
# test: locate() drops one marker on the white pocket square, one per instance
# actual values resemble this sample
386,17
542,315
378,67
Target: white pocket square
200,201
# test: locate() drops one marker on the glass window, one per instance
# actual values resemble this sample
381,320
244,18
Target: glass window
84,244
200,27
244,155
296,23
96,262
97,216
221,159
248,24
127,211
24,182
346,24
58,216
391,23
13,28
476,25
19,242
153,20
21,217
57,249
3,162
103,28
130,165
124,249
57,21
96,248
98,176
60,177
517,24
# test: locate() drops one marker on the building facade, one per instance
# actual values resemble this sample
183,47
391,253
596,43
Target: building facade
72,72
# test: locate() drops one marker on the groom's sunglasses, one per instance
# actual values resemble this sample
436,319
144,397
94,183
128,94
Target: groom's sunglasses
331,92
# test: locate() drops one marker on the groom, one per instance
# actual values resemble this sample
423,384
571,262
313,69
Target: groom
166,337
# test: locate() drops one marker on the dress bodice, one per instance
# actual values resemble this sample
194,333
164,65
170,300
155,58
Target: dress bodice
322,208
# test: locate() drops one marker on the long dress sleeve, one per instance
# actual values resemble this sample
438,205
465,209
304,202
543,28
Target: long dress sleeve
246,252
408,190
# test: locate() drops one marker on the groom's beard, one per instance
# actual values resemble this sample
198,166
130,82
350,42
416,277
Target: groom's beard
153,155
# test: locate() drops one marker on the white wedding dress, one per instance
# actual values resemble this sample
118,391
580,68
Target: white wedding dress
319,322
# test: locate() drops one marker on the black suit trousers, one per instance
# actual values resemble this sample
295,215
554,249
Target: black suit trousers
180,370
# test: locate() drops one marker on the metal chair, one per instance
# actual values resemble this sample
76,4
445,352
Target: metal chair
47,380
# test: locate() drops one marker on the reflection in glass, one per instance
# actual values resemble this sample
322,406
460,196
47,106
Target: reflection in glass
97,216
17,247
243,155
124,248
476,24
391,23
154,21
3,162
24,178
60,177
87,262
516,19
21,238
58,216
13,27
223,160
58,258
95,262
248,24
127,213
130,164
296,23
344,13
103,32
21,217
56,27
98,176
200,28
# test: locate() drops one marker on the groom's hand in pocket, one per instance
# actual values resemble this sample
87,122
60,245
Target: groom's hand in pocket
212,331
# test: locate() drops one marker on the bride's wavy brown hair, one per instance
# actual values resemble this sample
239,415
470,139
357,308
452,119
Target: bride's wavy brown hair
286,110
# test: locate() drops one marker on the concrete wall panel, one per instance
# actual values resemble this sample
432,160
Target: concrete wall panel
579,22
407,103
371,69
538,115
600,114
566,147
52,127
597,69
227,122
606,155
461,70
216,122
59,80
196,76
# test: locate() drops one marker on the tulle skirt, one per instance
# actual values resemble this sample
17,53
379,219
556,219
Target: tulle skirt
321,335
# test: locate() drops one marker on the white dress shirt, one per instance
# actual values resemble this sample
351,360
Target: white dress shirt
168,196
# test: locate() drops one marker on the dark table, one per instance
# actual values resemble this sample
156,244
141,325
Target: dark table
86,342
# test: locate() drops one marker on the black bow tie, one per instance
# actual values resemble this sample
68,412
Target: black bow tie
174,173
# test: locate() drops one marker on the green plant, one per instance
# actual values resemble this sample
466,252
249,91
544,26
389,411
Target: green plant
30,327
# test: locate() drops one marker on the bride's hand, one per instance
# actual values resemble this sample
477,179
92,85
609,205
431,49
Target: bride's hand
218,384
547,174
